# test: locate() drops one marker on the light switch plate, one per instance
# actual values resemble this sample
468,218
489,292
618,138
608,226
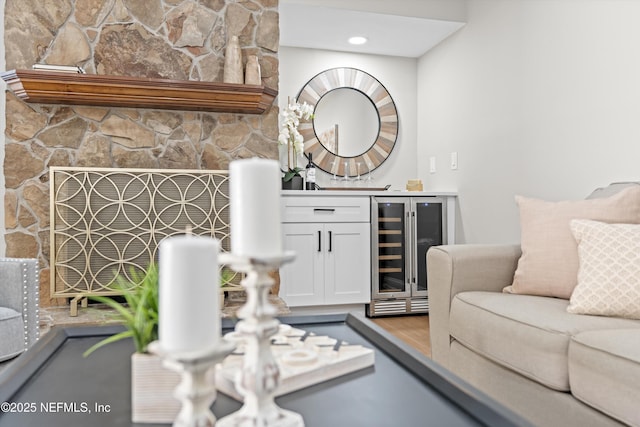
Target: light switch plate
454,160
432,164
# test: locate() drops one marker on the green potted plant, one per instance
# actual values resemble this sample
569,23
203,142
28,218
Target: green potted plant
291,137
139,311
139,314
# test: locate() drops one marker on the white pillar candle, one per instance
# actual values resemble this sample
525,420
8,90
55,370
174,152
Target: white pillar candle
255,208
189,311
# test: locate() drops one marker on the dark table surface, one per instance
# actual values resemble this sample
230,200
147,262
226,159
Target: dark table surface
53,385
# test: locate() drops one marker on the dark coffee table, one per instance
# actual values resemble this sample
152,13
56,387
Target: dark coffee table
53,385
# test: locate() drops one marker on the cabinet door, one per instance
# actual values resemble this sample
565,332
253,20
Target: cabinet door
347,263
301,281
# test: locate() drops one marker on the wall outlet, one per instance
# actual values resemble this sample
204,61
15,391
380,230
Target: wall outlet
454,160
432,164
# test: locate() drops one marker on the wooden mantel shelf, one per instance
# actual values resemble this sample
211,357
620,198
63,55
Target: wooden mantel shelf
48,87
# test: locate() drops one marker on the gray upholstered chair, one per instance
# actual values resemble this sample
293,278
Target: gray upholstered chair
19,305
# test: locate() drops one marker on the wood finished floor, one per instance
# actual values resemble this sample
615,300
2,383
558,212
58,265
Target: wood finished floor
414,330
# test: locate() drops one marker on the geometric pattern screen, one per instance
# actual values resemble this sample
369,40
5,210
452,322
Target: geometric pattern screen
105,222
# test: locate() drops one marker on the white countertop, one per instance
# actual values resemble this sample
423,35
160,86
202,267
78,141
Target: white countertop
367,192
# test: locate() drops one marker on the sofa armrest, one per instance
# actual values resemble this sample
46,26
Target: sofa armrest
20,290
452,269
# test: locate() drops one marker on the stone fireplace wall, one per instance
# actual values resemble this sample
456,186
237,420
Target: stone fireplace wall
173,39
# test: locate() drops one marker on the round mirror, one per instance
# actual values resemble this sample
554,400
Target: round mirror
360,139
346,122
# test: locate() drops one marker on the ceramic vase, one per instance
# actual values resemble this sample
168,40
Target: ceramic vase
252,75
295,183
233,62
152,387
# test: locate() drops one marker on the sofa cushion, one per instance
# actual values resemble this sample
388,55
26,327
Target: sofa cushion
528,334
604,372
549,262
12,333
8,313
609,273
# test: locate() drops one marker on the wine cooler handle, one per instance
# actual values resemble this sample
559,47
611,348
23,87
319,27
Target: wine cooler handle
408,241
319,241
414,247
330,241
324,210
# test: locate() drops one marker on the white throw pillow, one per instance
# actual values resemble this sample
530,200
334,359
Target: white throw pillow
609,269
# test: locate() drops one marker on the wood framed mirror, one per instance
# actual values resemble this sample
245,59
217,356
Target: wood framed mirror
355,125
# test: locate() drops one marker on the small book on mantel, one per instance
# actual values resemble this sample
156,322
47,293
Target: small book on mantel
59,68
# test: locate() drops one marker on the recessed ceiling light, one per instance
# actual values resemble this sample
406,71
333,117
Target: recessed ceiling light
357,40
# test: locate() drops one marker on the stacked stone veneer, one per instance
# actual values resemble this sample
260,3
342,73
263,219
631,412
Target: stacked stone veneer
173,39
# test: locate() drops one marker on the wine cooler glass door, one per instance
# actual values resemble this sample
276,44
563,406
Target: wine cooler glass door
428,228
391,265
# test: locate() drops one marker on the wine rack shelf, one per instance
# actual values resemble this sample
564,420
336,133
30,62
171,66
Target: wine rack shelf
390,231
389,245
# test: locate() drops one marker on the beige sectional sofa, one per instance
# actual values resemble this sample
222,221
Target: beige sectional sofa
553,367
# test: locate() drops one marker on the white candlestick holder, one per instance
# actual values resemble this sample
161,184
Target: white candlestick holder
259,377
197,390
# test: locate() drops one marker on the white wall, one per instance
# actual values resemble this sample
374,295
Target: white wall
540,98
398,75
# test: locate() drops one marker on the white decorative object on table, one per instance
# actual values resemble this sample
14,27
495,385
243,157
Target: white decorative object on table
197,390
152,387
188,312
304,359
259,376
256,246
189,339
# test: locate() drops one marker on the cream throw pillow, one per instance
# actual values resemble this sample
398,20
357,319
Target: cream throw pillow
549,262
609,273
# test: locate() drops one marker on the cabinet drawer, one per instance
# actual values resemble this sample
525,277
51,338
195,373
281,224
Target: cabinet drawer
325,209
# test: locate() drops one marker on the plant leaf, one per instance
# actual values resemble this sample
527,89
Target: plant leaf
109,340
140,310
288,176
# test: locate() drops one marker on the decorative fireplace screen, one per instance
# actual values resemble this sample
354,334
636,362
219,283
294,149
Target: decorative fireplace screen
106,222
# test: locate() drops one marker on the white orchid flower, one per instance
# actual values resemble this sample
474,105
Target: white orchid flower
289,134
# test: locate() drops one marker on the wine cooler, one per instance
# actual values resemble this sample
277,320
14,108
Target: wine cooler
403,229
